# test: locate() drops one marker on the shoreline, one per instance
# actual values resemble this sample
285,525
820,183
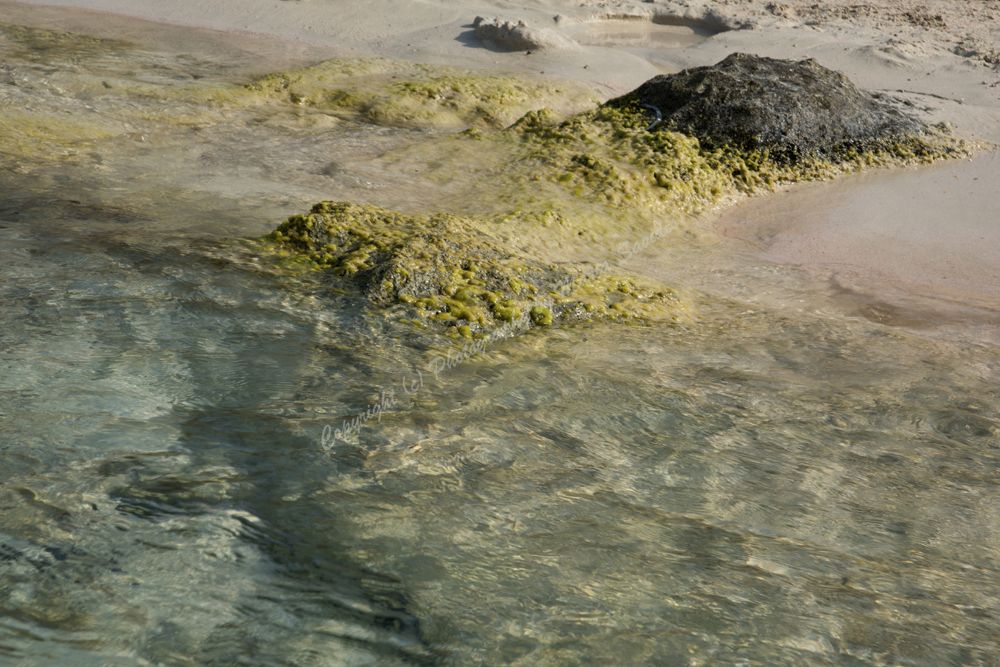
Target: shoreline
222,449
916,65
912,57
891,47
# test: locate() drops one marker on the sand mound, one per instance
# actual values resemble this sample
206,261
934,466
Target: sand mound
511,36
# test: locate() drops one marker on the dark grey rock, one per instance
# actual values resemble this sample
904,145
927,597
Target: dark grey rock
793,109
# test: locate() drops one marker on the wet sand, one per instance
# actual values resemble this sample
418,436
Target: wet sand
242,55
929,231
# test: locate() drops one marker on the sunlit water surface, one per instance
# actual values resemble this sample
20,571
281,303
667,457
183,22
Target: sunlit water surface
783,482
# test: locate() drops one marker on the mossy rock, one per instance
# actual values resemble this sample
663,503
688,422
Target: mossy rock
451,270
614,169
792,109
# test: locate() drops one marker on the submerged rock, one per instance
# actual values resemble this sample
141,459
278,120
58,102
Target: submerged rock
451,272
792,109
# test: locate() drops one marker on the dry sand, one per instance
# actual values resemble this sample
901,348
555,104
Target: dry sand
933,231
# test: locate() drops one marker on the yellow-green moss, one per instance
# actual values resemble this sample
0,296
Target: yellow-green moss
506,310
541,316
451,270
545,185
38,134
392,92
602,162
38,44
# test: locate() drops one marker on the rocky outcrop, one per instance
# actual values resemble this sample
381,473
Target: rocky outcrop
451,273
792,109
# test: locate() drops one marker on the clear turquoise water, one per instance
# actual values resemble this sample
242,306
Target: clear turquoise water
783,482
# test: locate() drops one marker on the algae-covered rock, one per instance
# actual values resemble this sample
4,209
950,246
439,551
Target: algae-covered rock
452,272
612,171
790,108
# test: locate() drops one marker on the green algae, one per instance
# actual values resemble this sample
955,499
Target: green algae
39,45
451,270
376,90
92,89
398,93
33,134
541,315
62,90
538,195
573,188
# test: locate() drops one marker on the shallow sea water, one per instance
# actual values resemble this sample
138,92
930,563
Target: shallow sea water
782,482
